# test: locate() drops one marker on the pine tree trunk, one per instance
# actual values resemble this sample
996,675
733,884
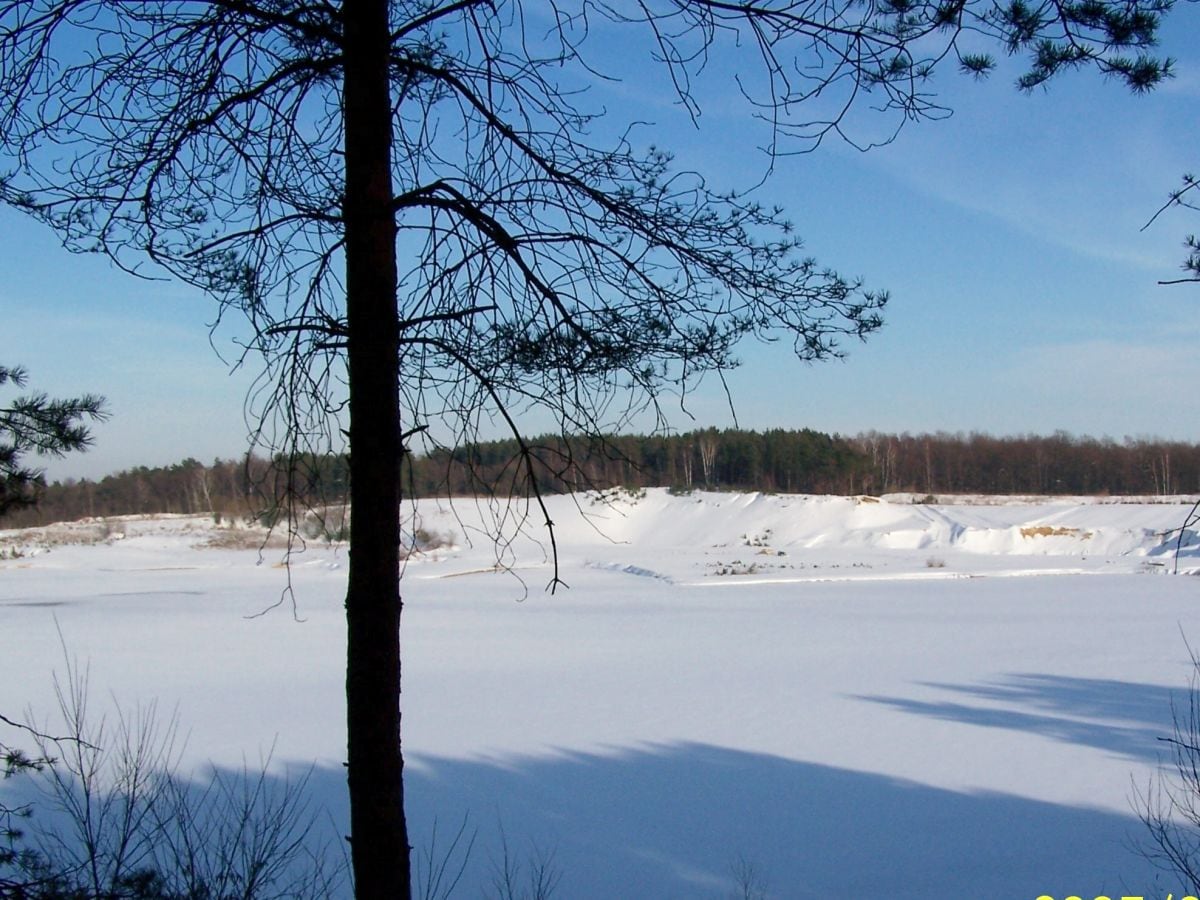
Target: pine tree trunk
379,835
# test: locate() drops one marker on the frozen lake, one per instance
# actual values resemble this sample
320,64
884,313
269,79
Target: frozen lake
856,696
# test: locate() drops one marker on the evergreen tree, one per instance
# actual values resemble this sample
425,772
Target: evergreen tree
35,423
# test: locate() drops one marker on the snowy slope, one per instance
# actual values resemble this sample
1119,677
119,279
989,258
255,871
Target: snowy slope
760,537
842,691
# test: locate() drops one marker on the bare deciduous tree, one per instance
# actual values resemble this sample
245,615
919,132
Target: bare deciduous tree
429,222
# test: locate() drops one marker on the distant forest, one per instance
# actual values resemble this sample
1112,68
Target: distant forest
778,460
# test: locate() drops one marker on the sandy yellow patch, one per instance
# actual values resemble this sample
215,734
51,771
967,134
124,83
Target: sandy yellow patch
1051,531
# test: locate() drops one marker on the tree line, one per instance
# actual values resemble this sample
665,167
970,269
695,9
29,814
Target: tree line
812,462
1028,464
777,460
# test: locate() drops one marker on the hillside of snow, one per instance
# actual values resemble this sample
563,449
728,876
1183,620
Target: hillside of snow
854,695
698,538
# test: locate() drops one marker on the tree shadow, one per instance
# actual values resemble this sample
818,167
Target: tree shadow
675,820
1121,717
671,821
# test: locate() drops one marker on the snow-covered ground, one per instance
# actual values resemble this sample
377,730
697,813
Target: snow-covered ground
856,696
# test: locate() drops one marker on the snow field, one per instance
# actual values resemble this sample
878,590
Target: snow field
920,701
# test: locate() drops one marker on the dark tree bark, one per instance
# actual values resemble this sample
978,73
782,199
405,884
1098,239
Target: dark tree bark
379,848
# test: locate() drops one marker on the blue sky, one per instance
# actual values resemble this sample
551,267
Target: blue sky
1024,295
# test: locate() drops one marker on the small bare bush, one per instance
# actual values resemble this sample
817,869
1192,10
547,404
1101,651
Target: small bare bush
330,523
1169,806
426,540
437,869
120,821
748,883
536,878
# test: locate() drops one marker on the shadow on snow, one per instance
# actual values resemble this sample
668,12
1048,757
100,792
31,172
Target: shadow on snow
1121,717
671,821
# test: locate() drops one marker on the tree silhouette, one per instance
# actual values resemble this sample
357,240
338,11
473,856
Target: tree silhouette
1184,197
431,225
36,424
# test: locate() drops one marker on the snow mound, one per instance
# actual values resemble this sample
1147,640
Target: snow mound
678,538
